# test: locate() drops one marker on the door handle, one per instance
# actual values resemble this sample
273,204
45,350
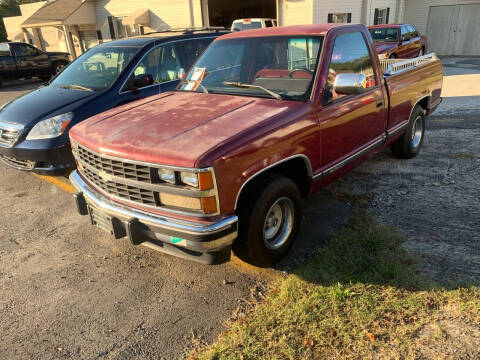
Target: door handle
379,103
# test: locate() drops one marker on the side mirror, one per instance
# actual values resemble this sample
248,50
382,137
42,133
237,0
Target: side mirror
140,81
350,83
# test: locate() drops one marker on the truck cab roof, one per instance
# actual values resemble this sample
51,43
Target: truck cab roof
315,29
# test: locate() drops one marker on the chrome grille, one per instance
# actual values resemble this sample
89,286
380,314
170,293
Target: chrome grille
123,191
9,133
140,183
17,164
114,167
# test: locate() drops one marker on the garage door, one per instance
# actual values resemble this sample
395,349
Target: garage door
222,13
454,29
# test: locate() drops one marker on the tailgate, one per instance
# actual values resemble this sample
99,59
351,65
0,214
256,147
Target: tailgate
409,82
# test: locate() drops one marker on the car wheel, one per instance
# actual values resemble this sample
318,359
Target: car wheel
410,143
393,56
57,67
269,220
421,52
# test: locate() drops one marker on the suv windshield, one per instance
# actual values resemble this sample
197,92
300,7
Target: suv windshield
96,69
384,34
275,66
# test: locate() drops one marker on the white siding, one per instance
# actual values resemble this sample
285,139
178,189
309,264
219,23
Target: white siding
164,14
322,8
295,12
381,4
417,11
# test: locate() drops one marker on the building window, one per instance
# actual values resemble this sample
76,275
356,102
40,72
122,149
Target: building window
381,16
340,17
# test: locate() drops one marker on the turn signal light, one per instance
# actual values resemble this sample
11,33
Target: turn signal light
205,181
209,205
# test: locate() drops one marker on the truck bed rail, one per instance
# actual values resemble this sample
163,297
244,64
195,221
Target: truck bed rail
393,66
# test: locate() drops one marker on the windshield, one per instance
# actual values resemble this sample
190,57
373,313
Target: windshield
384,34
247,25
275,66
96,69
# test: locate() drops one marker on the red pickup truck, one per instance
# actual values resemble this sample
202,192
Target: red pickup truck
398,41
264,118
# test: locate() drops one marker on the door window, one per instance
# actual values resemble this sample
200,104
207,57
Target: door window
4,50
350,56
405,33
25,50
169,64
189,50
412,31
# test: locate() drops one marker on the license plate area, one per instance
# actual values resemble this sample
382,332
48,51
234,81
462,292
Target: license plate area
107,223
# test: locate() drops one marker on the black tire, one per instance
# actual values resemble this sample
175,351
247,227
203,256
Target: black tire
410,143
262,205
57,67
421,52
393,56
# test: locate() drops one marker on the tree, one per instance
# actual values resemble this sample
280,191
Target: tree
10,8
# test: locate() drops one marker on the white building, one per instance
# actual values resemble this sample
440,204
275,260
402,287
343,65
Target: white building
452,26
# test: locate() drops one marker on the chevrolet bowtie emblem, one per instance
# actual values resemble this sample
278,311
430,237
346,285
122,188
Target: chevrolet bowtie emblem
105,176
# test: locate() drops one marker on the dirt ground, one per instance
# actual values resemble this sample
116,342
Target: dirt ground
70,291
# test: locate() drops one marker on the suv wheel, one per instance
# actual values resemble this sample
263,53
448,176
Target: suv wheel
269,224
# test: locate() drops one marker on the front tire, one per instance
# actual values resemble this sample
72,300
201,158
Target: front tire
270,216
409,145
393,56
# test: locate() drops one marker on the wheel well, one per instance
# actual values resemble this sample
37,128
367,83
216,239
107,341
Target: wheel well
295,169
424,103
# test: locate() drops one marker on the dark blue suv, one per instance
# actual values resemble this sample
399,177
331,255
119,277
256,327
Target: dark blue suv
34,128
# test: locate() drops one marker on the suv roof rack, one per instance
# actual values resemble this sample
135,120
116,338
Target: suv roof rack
190,30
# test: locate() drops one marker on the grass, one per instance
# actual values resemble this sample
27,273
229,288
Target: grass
464,155
358,297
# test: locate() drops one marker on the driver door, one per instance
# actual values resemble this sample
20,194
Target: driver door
30,61
350,123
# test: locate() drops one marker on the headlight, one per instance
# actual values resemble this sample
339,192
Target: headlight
167,175
189,178
51,127
383,56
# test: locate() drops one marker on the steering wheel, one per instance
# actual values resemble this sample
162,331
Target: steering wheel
309,72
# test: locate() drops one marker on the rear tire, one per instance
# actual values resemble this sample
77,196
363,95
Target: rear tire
269,219
421,52
410,143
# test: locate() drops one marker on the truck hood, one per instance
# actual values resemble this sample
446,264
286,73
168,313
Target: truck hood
383,47
175,128
42,103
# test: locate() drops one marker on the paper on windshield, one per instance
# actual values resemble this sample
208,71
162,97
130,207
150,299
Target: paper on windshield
196,79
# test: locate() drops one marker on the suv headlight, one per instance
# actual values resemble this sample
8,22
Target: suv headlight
51,127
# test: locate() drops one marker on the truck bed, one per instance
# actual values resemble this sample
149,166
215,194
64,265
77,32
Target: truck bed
409,82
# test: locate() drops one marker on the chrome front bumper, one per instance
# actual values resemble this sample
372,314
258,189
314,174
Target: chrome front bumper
203,243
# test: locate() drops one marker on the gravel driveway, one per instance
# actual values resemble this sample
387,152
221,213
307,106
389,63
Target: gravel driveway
70,291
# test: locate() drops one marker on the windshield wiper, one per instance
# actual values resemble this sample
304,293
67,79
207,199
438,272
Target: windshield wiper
250,86
76,87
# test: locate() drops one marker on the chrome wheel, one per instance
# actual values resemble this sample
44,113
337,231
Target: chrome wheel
278,223
59,68
417,131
